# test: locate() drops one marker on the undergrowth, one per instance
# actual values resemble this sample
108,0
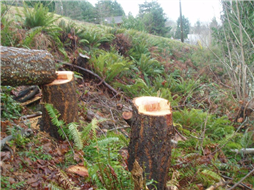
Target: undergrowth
139,64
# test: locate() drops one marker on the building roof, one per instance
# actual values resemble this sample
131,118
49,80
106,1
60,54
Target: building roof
113,20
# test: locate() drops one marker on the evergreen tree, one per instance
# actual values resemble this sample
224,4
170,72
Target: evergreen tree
78,10
131,22
153,17
88,11
108,8
197,27
186,27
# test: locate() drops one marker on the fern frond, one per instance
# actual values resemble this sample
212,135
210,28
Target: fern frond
107,141
53,187
54,115
31,34
76,135
212,175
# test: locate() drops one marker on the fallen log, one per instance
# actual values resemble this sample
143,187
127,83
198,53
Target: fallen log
150,140
61,93
244,151
24,133
21,66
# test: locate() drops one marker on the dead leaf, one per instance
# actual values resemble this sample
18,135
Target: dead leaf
47,147
240,120
11,180
64,148
4,125
31,180
80,170
5,155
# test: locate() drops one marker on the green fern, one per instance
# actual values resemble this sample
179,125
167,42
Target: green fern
109,64
30,35
212,175
107,141
8,37
140,88
76,135
54,115
90,129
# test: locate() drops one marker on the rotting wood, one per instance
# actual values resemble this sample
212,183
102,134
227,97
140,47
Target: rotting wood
137,175
61,93
150,139
21,66
24,132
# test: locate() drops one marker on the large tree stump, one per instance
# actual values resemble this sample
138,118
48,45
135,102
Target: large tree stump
151,132
61,93
21,66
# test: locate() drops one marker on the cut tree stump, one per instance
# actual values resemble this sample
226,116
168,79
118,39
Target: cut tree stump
61,93
150,140
21,66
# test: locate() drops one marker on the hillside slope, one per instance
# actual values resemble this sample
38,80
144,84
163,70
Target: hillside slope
132,63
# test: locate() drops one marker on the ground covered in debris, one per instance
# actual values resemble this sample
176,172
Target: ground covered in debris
41,162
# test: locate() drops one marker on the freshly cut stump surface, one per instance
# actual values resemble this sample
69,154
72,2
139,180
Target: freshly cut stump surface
150,139
61,93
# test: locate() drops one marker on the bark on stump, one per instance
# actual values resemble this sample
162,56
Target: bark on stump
61,93
21,66
151,132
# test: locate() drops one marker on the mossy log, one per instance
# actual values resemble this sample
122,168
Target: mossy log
61,93
21,66
150,139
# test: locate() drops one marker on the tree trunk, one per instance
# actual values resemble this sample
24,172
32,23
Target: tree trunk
21,66
61,93
151,132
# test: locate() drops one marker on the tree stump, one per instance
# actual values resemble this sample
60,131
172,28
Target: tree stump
151,132
21,66
61,93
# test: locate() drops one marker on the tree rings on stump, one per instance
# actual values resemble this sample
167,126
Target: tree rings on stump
61,93
150,139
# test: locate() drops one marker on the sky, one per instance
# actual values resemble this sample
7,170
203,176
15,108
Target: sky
194,10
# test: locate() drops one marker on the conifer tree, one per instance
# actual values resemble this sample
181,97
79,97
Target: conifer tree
154,18
186,28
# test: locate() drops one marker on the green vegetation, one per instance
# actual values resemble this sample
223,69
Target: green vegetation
204,97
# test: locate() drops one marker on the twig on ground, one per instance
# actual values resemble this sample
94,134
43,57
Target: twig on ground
231,179
241,180
216,185
95,75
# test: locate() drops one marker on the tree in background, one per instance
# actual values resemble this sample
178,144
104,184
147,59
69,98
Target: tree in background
197,27
49,4
186,28
235,37
78,10
88,11
153,18
130,22
108,8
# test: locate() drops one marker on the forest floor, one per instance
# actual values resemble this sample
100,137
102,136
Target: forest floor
43,159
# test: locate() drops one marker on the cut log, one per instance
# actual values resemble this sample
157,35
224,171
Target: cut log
61,93
21,66
150,140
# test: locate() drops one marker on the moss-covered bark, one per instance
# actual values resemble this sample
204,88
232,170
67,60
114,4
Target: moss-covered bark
21,66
